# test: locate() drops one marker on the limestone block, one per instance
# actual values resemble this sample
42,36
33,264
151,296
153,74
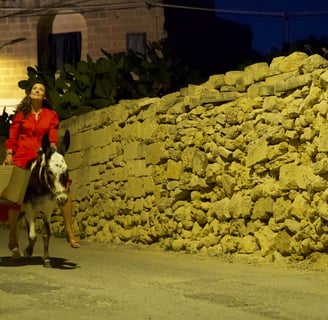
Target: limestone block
216,97
240,206
323,139
99,156
263,209
196,182
209,240
258,71
123,234
289,63
253,90
227,89
293,83
292,176
118,113
234,144
228,183
230,243
305,246
75,140
194,246
220,209
179,244
199,163
274,119
112,150
308,134
196,231
174,169
312,98
293,226
197,90
300,207
74,160
224,152
321,167
283,243
265,237
137,168
313,62
237,227
322,210
277,78
132,131
215,81
103,136
256,152
291,135
232,78
265,91
281,209
321,108
88,138
115,175
133,150
324,241
275,151
135,187
214,227
154,152
248,245
199,216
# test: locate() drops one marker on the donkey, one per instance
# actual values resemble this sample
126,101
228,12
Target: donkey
45,191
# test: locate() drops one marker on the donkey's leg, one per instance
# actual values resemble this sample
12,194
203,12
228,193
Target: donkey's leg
46,238
13,214
31,239
30,222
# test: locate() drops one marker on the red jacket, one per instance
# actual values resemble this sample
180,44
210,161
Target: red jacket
25,134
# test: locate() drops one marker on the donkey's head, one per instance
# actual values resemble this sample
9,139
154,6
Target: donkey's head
53,169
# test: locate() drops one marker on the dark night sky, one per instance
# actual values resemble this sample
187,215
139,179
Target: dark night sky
305,18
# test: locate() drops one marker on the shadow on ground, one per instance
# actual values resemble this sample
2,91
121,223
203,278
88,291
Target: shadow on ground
57,263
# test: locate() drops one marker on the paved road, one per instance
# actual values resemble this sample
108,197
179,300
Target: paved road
105,282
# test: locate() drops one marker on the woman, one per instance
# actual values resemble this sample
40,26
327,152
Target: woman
33,118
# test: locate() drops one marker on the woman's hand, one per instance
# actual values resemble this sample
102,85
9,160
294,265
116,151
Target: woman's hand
8,159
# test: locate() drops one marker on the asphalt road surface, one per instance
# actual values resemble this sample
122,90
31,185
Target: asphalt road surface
126,282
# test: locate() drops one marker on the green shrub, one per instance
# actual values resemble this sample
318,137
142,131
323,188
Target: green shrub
94,85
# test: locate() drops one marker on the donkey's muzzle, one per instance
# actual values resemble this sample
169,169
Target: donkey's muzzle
61,199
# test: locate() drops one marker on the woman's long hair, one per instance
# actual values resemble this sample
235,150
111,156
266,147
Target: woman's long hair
26,104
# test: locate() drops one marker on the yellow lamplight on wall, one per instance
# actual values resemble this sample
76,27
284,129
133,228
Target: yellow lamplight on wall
8,105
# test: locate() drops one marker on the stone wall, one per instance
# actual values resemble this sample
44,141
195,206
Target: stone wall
235,165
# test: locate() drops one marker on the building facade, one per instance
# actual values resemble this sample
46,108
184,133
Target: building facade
34,32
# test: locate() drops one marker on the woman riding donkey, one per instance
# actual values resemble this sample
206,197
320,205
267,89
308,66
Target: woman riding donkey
34,117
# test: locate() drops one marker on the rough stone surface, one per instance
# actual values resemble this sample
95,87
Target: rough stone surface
235,165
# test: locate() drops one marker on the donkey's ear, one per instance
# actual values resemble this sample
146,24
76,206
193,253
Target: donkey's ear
64,143
45,143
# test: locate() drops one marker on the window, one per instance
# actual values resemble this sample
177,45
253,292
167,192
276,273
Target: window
65,48
136,42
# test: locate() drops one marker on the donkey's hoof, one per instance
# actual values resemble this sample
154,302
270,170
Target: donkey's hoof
15,254
28,252
47,263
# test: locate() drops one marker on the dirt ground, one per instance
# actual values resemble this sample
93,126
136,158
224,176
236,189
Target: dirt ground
100,281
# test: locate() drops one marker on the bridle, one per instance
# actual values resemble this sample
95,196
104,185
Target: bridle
43,175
